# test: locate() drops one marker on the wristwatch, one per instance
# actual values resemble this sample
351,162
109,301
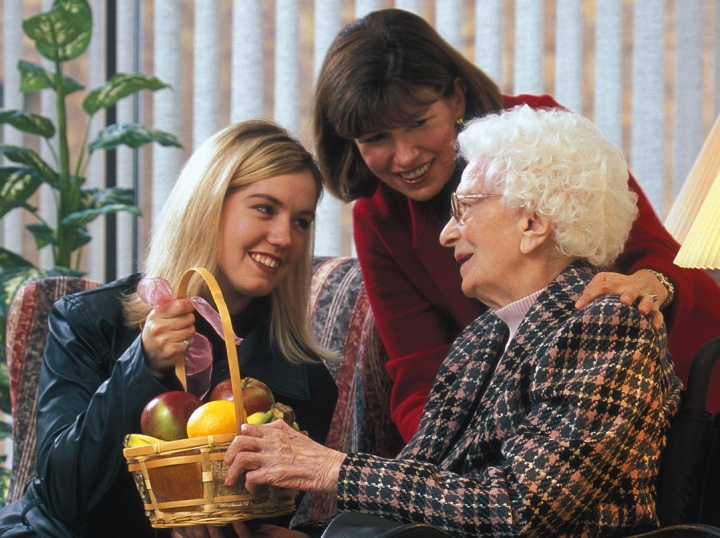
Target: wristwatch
667,284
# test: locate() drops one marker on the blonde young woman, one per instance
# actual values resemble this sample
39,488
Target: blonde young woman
243,207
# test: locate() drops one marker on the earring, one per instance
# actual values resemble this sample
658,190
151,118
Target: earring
459,122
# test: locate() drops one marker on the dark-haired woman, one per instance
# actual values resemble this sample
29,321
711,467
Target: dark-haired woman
391,97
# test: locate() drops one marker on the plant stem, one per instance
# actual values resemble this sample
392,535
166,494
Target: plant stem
68,189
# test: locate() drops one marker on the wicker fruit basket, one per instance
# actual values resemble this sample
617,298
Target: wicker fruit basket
182,482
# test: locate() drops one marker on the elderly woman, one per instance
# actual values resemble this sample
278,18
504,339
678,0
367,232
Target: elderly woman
543,420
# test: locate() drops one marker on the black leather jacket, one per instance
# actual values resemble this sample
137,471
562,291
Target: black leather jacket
94,385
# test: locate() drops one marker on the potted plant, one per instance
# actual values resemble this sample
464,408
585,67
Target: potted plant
60,35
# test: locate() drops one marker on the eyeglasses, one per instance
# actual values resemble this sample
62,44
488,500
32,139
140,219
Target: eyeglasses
457,208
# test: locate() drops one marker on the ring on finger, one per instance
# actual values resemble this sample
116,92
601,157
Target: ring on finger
652,296
187,342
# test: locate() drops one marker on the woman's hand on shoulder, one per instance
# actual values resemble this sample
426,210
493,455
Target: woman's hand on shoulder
641,288
167,333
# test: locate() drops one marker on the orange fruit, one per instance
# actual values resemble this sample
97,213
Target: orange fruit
212,418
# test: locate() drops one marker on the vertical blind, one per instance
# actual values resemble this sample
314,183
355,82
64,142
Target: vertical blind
646,71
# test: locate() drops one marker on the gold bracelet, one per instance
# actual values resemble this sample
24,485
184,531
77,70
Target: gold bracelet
666,284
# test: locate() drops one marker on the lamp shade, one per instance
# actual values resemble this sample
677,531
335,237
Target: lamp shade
701,247
696,187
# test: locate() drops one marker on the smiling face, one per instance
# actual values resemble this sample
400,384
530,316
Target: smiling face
486,244
264,231
417,158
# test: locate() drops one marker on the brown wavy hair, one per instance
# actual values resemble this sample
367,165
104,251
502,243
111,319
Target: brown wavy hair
376,67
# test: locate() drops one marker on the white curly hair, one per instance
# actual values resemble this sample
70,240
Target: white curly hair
556,163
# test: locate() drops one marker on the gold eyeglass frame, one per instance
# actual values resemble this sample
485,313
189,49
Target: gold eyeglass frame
456,199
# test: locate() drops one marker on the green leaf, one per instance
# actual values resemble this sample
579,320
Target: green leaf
80,237
43,234
132,135
9,260
96,202
4,391
17,184
63,32
119,86
88,215
92,197
28,122
32,160
11,280
34,77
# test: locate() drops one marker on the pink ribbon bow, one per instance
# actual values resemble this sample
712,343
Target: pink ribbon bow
155,292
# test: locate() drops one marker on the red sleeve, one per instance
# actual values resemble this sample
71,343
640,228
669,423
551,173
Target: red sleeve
415,333
650,246
693,317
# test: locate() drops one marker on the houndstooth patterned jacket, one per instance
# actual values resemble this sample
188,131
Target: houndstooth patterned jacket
560,437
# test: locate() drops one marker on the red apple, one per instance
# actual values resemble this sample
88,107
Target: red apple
166,415
222,391
257,396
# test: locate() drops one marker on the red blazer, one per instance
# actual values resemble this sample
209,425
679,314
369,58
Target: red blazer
413,284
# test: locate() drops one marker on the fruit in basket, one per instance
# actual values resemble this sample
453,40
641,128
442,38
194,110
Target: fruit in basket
138,439
222,391
260,417
257,396
166,415
283,412
212,418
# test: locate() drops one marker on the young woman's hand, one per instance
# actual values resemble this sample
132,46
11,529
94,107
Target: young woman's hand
277,454
642,288
167,333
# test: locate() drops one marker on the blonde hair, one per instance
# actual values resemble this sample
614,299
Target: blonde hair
186,232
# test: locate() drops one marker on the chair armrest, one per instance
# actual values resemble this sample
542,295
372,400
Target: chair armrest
343,322
25,337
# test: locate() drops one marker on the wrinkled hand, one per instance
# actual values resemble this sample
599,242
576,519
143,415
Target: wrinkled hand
639,288
277,454
164,333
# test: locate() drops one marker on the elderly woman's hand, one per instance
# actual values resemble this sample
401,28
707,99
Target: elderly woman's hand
167,333
277,454
642,287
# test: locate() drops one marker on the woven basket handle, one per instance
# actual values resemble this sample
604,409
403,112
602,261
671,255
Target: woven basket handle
212,284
